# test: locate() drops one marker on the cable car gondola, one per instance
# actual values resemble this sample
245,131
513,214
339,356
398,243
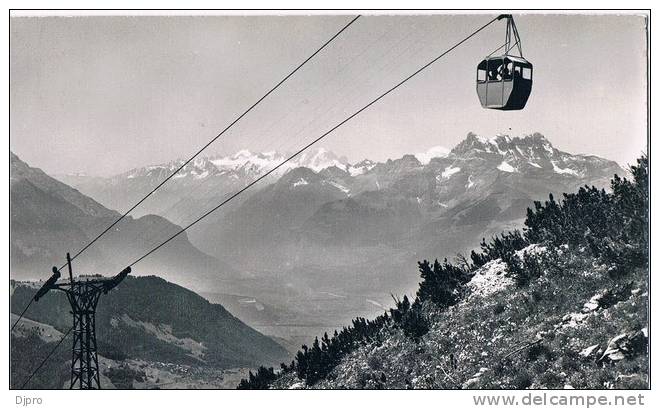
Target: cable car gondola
504,82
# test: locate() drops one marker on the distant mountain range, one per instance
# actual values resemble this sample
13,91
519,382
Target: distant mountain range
198,186
363,229
49,218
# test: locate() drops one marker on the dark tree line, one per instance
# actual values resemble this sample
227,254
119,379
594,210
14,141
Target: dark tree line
260,380
441,283
611,226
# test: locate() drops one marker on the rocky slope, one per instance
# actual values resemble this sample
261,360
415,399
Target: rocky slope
590,333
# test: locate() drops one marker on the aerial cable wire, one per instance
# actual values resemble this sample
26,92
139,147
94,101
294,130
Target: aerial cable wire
215,138
21,315
320,111
356,113
399,47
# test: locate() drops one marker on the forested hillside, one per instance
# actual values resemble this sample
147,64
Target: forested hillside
561,304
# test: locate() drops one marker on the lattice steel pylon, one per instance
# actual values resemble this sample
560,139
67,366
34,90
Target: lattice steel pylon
83,295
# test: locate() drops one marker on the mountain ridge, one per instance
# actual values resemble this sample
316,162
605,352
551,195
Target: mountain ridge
49,218
210,179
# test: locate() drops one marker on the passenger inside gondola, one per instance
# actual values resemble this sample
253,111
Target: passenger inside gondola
506,71
494,71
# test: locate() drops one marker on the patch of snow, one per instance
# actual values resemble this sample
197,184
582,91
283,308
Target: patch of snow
360,168
563,171
449,171
500,151
482,139
316,160
507,138
536,165
244,158
300,182
340,187
353,171
434,152
548,147
319,160
505,167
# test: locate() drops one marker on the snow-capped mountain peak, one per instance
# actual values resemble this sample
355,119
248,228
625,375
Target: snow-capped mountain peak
499,153
433,152
244,159
533,147
242,162
531,152
361,167
435,178
318,160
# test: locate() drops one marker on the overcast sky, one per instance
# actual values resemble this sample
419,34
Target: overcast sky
100,95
